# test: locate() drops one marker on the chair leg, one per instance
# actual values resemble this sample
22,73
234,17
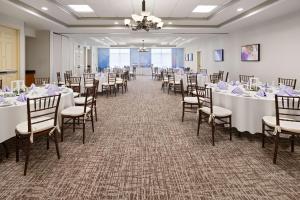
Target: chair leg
47,142
74,121
27,152
83,132
17,148
230,128
263,135
92,118
5,149
292,143
199,122
213,133
276,148
183,109
62,130
95,108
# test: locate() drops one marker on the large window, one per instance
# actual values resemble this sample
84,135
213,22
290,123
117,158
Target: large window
119,57
161,57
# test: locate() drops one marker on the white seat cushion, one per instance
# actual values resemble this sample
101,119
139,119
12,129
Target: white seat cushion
107,84
75,94
193,100
89,85
81,100
218,111
285,125
75,85
75,111
119,82
22,128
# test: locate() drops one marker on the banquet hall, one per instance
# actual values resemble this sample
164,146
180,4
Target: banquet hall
149,99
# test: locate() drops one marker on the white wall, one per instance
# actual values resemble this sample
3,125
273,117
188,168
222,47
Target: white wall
19,25
279,40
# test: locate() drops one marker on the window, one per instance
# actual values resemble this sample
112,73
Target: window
161,57
119,57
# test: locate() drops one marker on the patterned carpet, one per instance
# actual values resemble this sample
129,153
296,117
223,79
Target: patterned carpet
142,150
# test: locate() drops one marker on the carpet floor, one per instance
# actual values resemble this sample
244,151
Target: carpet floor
141,150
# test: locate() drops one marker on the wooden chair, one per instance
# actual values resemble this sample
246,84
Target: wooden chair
82,113
164,80
286,121
172,83
110,85
88,79
0,84
133,73
288,82
41,120
42,80
69,72
189,104
214,115
75,85
191,82
67,79
214,78
245,78
221,74
59,80
227,76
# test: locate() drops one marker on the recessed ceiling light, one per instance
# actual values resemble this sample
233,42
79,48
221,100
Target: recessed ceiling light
170,22
240,9
44,8
81,8
204,8
116,22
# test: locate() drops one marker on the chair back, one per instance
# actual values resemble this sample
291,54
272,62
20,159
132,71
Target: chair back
192,79
42,80
58,77
182,89
67,78
74,83
221,74
288,82
200,94
88,79
287,109
96,84
207,100
214,78
0,84
226,78
112,77
245,78
90,93
42,109
171,78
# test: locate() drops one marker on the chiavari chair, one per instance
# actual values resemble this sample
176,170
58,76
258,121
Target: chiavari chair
286,122
67,79
59,81
287,82
191,82
221,74
75,85
82,113
88,79
110,85
42,80
41,120
245,78
189,104
172,83
227,76
215,116
214,78
133,73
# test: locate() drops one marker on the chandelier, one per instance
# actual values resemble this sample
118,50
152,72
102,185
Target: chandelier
144,21
143,49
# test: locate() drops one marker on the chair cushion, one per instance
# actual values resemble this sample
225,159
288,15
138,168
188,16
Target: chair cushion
218,111
75,111
75,85
119,82
193,100
89,85
75,94
285,125
107,84
22,128
81,100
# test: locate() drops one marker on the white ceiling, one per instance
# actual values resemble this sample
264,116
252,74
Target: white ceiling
95,28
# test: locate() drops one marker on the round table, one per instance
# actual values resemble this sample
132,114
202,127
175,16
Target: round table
247,111
12,115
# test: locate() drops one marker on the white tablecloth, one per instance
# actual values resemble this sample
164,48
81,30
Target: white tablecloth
247,112
10,116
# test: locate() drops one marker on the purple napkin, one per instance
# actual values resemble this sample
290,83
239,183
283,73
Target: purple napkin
1,99
222,85
6,89
235,83
51,91
22,97
287,91
32,87
237,90
261,93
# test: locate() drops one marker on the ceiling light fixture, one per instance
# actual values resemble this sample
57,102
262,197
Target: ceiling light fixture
144,21
81,8
116,23
44,8
170,23
143,49
240,9
204,8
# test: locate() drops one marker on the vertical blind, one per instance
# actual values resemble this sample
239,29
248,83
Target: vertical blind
119,57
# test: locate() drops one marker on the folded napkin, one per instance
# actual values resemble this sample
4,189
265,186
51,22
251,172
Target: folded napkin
22,97
222,85
52,90
32,86
237,90
287,91
6,89
1,99
261,93
235,83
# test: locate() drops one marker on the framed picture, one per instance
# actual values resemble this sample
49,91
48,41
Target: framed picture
250,52
191,57
219,55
